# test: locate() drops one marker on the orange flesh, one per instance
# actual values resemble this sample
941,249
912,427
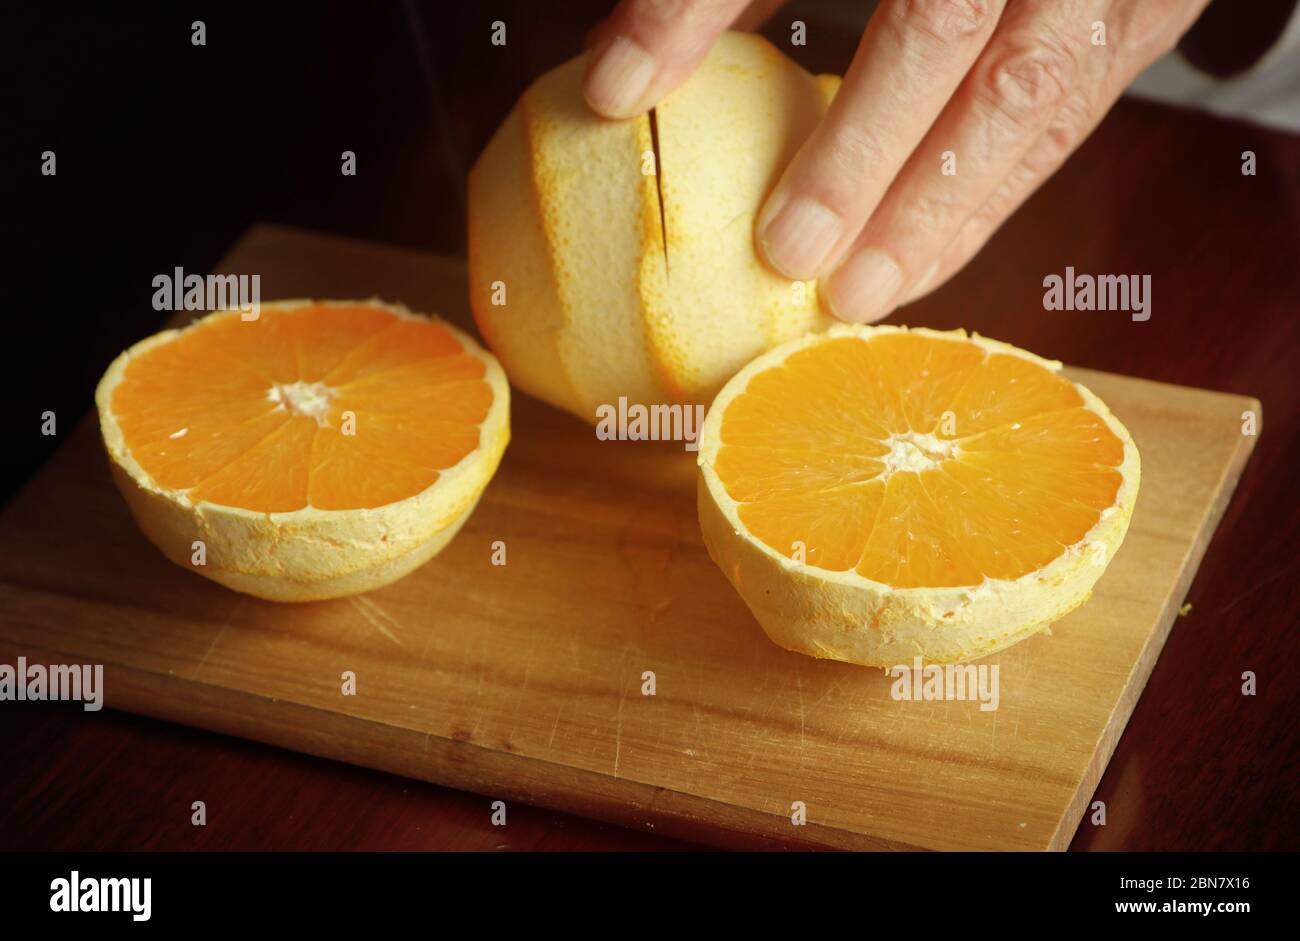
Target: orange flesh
252,414
843,451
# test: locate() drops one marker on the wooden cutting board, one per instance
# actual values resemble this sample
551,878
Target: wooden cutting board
524,681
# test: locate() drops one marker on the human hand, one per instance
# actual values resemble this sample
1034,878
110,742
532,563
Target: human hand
951,114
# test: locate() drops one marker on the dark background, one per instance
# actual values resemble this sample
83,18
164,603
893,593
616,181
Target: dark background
167,151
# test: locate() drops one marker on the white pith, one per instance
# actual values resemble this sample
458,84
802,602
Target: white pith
303,398
843,615
916,452
307,554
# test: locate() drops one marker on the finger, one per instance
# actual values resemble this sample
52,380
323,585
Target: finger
756,14
1072,125
648,48
1069,128
1002,107
912,58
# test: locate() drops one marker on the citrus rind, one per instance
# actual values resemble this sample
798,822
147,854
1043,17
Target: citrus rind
308,554
842,615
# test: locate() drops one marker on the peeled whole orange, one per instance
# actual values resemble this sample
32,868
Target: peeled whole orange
323,449
614,259
877,493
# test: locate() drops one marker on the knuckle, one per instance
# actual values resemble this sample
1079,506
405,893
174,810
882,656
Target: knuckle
854,150
943,21
1063,134
659,12
1057,142
1030,81
682,15
1152,46
1021,181
936,209
1146,31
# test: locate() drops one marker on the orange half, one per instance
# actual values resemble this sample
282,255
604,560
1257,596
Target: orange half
357,424
925,469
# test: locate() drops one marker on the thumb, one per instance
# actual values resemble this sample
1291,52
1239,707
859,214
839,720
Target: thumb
649,47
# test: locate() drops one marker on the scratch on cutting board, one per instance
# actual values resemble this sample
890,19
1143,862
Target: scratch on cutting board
618,733
798,679
559,712
519,701
221,631
622,695
373,613
831,688
424,651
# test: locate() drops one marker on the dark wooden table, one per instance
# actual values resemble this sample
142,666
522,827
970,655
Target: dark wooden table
1156,191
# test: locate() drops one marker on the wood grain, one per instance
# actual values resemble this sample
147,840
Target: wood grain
523,681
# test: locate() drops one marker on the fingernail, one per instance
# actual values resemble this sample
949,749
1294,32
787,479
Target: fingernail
923,284
617,83
800,237
862,289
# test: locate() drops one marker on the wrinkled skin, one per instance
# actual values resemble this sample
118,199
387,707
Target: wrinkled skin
951,114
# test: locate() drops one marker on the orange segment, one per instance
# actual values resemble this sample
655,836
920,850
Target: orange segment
760,473
331,406
1006,388
768,416
204,442
402,343
917,460
1073,433
347,472
825,527
270,477
912,542
921,375
430,391
320,351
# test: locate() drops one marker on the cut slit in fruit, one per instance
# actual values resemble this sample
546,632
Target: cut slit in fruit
627,280
659,189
